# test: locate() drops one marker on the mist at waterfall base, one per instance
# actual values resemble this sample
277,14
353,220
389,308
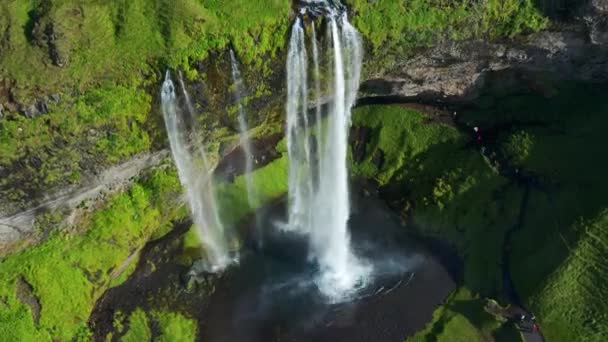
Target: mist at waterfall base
273,294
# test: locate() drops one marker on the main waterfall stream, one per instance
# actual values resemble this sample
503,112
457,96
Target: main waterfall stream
318,175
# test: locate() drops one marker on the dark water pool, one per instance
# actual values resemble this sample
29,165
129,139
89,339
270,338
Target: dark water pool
271,294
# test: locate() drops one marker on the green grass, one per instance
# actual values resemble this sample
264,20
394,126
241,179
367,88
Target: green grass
461,318
573,303
401,134
175,327
112,53
399,27
139,329
555,259
270,182
68,272
171,326
446,190
121,40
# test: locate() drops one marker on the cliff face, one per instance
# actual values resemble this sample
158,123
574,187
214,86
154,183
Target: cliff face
455,71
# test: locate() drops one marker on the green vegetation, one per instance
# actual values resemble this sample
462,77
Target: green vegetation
555,260
270,183
573,302
102,59
69,271
102,127
62,45
398,27
560,223
400,134
517,147
461,318
172,327
138,330
175,327
444,189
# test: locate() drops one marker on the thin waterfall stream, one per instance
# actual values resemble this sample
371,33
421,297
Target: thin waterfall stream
195,176
245,141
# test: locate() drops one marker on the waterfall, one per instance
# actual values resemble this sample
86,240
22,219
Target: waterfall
318,99
300,176
245,142
322,212
195,176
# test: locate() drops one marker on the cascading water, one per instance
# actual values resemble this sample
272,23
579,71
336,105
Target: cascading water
245,142
300,171
322,212
194,174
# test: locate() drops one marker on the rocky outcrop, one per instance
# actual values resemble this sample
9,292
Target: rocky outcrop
456,71
596,18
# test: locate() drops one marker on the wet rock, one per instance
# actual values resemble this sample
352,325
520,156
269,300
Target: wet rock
10,107
596,18
198,276
360,137
54,98
25,294
600,5
38,108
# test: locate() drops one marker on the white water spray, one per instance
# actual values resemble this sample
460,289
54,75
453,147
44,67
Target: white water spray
245,142
323,212
318,99
194,174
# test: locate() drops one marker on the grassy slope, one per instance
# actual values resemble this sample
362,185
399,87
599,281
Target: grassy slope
121,40
445,188
447,191
113,53
556,256
69,271
270,182
461,318
102,127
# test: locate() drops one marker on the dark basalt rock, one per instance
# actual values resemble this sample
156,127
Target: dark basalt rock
596,17
37,108
360,137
